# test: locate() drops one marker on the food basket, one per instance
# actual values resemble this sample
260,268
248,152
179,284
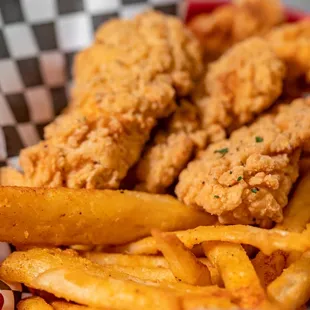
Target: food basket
38,40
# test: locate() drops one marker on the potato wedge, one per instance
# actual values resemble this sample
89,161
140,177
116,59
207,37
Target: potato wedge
62,216
182,262
267,241
33,303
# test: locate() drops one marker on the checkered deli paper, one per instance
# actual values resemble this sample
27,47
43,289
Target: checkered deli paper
38,40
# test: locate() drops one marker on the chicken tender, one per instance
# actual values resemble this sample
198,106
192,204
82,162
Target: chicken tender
247,178
126,81
291,42
245,81
230,24
170,150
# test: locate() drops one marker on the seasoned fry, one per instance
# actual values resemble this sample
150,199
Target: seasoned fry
144,261
297,213
62,305
292,288
201,302
267,241
34,303
270,267
296,216
81,287
143,273
237,272
182,262
127,260
62,216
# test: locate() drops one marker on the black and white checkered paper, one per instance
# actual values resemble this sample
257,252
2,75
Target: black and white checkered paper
38,39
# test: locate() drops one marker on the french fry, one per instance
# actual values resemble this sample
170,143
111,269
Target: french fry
201,302
127,260
143,273
237,272
24,267
144,261
270,267
86,289
267,241
297,213
292,288
33,303
62,216
182,262
62,305
296,217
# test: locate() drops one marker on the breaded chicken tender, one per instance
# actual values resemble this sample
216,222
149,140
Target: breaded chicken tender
170,150
247,178
245,81
125,82
291,42
230,24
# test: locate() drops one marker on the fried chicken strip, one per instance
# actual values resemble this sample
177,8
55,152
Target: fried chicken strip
245,81
125,82
247,178
291,42
230,24
170,150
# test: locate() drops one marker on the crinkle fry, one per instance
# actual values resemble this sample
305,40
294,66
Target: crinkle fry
171,149
291,42
247,178
182,262
267,241
237,272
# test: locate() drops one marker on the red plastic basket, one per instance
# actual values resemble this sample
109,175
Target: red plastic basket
195,7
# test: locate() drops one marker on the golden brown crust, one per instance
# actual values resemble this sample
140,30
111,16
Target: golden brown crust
291,42
230,24
247,178
124,82
245,81
170,150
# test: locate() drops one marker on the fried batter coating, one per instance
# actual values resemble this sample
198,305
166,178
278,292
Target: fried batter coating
170,150
245,81
230,24
125,82
83,152
291,42
247,178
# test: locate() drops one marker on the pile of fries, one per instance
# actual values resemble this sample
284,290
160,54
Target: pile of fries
206,267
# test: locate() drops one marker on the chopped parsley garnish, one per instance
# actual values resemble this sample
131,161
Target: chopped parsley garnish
222,151
254,190
259,139
239,178
216,196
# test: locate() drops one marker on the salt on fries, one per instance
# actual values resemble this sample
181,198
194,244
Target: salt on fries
266,240
225,279
63,216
